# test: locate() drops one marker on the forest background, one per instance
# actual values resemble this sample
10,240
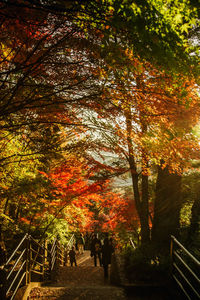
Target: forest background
99,119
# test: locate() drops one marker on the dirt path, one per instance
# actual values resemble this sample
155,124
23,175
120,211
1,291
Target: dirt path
84,282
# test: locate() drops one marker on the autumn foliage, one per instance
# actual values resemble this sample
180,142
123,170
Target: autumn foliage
85,100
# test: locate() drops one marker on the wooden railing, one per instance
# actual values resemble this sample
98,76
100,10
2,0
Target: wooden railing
185,270
31,261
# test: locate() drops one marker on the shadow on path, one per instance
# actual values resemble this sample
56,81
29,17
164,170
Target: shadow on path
85,282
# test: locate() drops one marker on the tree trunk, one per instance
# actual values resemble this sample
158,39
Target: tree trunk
166,208
140,202
145,190
144,210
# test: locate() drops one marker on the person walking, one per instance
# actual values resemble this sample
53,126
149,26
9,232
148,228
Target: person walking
107,250
96,250
72,256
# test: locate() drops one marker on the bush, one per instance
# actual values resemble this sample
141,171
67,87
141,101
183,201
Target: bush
141,265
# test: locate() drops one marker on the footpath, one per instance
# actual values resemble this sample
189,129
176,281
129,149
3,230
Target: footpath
85,282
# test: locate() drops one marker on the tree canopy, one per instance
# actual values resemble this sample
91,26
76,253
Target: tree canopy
91,90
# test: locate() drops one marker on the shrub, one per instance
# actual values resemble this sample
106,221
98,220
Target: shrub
141,265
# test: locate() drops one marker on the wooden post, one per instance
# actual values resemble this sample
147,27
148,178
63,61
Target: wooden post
50,260
63,256
45,251
171,254
43,263
28,260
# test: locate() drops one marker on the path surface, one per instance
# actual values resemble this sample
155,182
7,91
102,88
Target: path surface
85,282
84,274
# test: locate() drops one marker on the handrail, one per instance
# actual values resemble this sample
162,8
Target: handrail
53,245
71,241
187,267
184,269
15,278
186,251
20,243
16,263
14,275
132,243
40,245
30,257
17,287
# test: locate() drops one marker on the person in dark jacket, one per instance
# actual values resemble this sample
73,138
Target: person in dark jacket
107,250
72,256
96,250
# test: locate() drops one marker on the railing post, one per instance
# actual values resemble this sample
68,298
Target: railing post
28,260
66,256
50,261
45,252
63,255
171,254
43,262
57,253
45,258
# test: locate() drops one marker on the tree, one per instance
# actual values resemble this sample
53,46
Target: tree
158,31
67,194
167,208
143,122
43,70
74,58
